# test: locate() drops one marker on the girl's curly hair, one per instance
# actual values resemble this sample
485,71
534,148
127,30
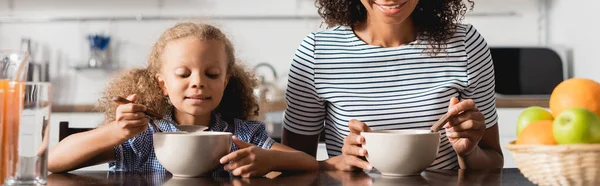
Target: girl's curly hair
435,20
238,99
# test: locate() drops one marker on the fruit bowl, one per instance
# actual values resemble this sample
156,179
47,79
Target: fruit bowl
558,164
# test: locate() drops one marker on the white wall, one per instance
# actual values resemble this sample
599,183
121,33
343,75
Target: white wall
256,40
575,24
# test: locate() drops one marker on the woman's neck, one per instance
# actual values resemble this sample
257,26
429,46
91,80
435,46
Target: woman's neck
386,35
184,118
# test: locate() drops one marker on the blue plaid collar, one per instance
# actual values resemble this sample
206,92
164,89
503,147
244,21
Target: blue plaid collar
216,122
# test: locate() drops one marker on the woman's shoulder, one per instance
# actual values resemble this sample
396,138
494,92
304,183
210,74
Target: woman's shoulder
466,30
333,32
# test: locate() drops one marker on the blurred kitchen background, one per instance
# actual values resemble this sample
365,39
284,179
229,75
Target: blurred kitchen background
79,44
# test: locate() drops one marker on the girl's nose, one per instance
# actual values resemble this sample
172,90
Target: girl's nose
198,82
197,86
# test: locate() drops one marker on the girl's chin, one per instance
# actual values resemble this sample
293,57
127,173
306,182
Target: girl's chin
195,111
201,111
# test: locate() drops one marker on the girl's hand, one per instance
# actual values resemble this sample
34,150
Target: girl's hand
248,161
130,119
466,127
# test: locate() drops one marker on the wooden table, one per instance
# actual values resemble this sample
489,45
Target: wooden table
495,177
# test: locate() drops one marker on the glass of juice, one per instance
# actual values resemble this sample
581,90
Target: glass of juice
31,134
13,69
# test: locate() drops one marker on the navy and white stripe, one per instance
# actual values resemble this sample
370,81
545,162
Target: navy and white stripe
137,154
336,77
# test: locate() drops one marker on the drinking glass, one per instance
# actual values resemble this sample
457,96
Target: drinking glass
13,68
30,139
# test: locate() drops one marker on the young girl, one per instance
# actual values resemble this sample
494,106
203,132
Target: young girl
192,79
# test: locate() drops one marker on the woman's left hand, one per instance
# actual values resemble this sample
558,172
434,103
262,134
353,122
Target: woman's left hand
466,127
248,161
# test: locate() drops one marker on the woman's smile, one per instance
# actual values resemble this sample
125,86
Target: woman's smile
390,9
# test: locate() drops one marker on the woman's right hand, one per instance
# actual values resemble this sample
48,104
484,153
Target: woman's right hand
130,119
353,155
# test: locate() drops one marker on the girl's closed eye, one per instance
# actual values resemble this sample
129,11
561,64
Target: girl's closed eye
212,76
182,73
213,73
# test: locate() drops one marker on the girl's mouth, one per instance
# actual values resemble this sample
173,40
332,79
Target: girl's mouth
198,99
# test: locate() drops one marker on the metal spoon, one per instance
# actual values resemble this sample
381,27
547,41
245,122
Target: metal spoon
156,116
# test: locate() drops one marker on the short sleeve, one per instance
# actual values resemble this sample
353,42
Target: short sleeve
260,137
480,73
133,153
253,132
305,112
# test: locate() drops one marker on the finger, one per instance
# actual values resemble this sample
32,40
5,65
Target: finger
242,170
132,97
463,134
354,139
241,144
131,108
453,101
354,150
237,164
462,106
357,162
358,126
132,116
133,123
234,156
463,117
470,125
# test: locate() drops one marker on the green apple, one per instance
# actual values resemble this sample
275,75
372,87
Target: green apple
530,115
575,126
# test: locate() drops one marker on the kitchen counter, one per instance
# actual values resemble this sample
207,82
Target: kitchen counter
501,102
495,177
73,108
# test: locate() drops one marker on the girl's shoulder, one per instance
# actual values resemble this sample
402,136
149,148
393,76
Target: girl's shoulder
249,124
238,125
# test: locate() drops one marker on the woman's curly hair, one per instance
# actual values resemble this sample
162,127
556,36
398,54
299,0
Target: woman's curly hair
435,20
238,99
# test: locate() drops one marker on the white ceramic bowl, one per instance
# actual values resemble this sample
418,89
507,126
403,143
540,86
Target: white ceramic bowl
401,152
191,154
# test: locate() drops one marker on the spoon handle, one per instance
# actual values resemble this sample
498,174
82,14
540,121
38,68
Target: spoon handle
444,119
149,112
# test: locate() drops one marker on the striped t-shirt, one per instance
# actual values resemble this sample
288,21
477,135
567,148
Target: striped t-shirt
336,77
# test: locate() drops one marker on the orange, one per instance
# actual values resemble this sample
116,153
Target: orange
575,92
539,132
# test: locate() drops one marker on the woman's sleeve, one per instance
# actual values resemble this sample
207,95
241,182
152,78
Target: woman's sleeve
305,111
480,72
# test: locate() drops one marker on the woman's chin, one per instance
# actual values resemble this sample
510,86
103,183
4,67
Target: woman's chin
395,20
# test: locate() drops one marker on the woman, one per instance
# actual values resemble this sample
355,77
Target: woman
393,64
